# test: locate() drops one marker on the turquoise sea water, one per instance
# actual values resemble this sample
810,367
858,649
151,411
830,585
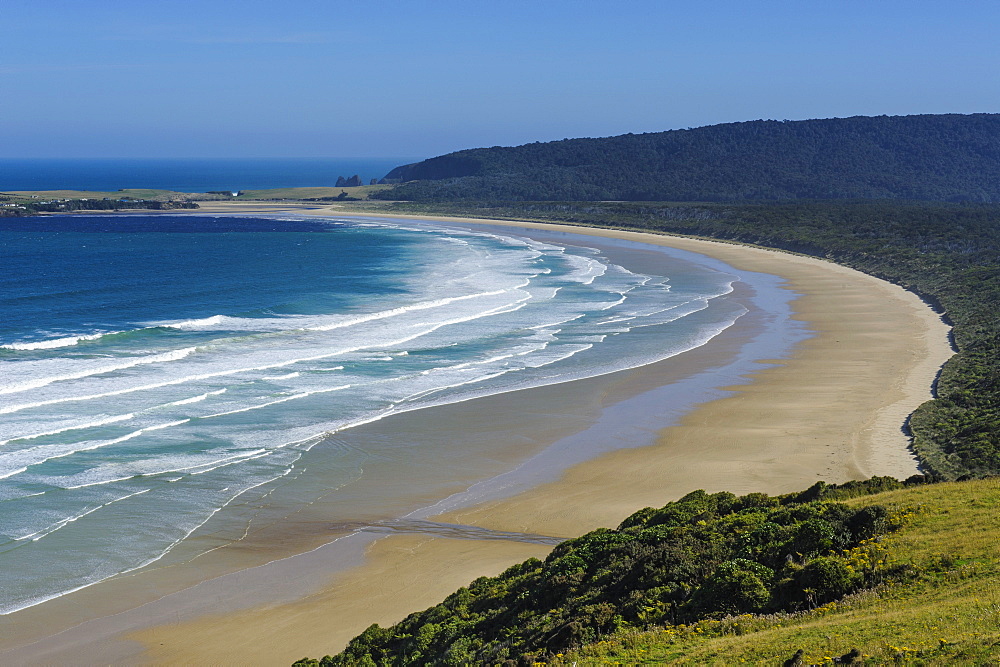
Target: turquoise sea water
156,370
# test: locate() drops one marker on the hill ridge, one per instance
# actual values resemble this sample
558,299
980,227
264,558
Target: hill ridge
943,157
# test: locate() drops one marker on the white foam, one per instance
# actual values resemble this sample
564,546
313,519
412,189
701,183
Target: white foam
293,397
437,303
584,269
173,355
203,323
291,323
54,343
37,535
74,427
461,383
24,458
199,398
547,325
201,467
222,463
159,385
102,482
45,598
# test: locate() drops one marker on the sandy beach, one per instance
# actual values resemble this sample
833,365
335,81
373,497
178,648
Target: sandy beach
833,410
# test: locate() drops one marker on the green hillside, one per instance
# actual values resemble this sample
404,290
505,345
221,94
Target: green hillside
940,604
947,157
715,579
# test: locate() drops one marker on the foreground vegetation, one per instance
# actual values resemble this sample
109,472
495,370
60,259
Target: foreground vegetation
940,604
906,573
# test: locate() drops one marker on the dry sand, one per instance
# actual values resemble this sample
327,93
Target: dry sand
833,410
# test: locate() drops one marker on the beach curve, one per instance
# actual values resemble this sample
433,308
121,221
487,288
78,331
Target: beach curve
833,410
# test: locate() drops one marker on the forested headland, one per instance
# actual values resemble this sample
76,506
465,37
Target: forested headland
948,157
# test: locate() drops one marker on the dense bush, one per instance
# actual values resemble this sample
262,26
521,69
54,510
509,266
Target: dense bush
703,556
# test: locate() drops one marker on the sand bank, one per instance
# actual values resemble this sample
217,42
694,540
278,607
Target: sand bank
833,410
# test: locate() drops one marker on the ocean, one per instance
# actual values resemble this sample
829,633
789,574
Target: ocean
187,175
165,378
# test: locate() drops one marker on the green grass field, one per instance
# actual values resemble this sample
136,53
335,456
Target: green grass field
945,611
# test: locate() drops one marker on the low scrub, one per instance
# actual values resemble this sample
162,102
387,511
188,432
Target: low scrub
703,557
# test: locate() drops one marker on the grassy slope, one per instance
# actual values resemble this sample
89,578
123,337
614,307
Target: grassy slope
947,611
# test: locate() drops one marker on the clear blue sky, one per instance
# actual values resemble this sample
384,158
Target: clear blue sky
180,78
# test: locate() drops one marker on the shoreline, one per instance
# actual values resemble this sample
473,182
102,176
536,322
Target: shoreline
833,410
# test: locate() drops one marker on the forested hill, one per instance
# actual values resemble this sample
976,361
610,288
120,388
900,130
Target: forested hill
948,157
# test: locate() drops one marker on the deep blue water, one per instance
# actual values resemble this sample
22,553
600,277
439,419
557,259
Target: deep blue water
187,175
112,273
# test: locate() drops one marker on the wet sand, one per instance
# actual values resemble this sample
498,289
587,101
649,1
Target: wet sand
832,410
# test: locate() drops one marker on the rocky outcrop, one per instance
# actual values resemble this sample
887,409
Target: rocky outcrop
352,182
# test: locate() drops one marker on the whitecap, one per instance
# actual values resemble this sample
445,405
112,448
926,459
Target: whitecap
200,397
75,427
24,458
127,362
54,343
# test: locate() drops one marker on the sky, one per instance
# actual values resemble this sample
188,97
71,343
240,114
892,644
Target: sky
305,78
